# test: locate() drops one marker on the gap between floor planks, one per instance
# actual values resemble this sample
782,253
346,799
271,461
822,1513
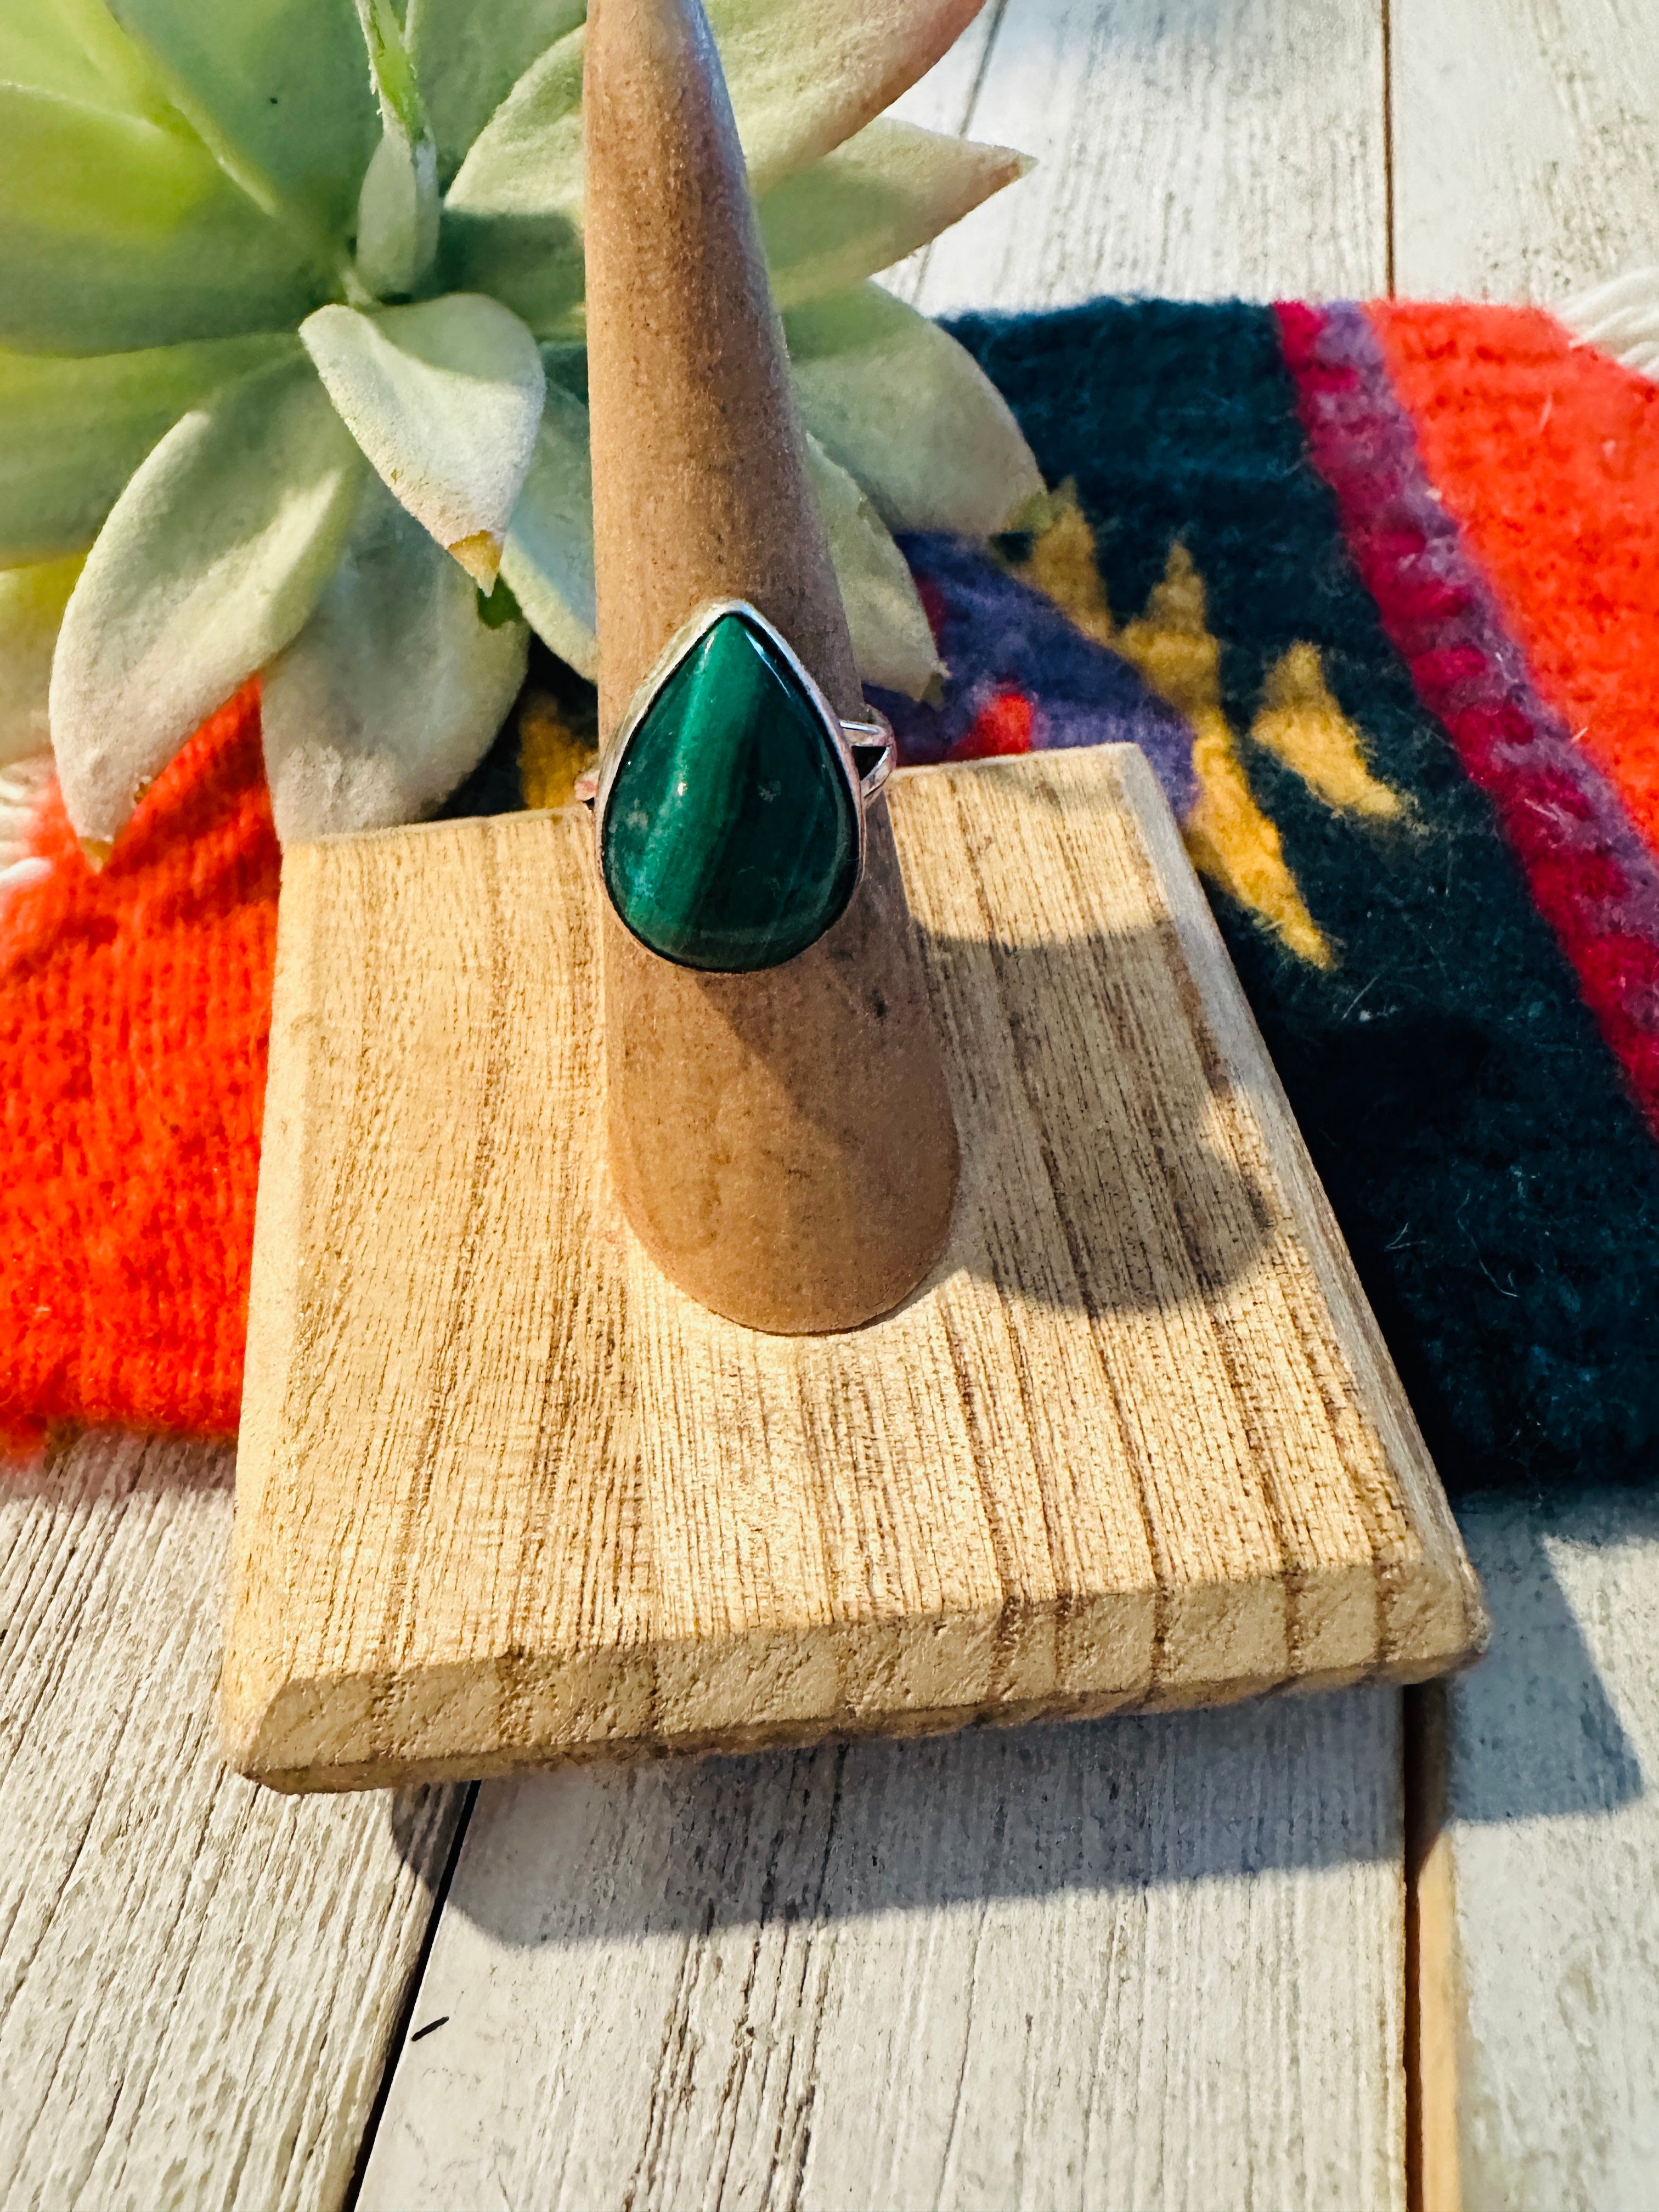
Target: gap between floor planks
1535,1912
1129,1963
199,1980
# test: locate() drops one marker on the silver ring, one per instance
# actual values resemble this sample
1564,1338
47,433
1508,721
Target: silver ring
721,841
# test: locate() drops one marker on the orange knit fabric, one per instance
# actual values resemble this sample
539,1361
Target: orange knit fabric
1546,454
134,1008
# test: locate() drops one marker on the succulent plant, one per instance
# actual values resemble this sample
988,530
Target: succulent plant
291,337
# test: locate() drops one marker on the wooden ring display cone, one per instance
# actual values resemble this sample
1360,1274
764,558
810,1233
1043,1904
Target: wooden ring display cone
782,1142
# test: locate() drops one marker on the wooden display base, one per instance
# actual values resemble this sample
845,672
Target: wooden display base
505,1496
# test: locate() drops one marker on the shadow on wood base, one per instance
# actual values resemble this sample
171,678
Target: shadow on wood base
507,1497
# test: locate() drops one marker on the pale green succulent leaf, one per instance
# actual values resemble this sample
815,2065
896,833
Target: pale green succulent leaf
566,363
118,233
803,75
39,48
444,398
398,208
398,213
898,403
512,216
468,56
72,430
76,48
392,691
279,89
872,201
806,75
390,68
548,560
32,604
209,563
891,641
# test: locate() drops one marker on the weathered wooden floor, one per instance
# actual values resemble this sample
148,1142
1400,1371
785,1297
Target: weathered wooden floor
1138,1964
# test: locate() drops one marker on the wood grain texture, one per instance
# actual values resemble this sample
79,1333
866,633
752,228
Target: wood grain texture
1551,1842
508,1495
1192,152
198,1980
1127,1964
1526,145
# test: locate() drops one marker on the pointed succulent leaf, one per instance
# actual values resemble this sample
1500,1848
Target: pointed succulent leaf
117,231
872,201
210,562
279,90
72,430
803,75
891,641
549,561
910,414
806,75
394,689
391,71
468,56
444,398
32,603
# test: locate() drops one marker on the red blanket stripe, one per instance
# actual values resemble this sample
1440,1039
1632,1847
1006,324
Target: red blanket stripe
1546,454
1590,873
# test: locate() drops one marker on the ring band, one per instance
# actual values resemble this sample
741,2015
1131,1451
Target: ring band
729,810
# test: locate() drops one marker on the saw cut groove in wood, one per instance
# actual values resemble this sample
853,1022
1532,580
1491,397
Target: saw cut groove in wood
506,1496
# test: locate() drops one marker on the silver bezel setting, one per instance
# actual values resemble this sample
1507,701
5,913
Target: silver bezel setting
842,737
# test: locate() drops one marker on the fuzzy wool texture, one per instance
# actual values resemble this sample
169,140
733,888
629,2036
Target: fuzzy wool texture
1546,455
1002,640
1590,872
1374,589
1489,1166
134,1009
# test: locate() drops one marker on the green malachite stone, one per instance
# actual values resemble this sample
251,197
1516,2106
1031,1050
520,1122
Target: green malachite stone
730,839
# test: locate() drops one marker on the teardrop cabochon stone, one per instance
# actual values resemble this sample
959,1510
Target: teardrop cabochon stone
730,839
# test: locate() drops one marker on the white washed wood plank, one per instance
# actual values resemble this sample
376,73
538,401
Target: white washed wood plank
1526,145
1136,1963
1193,152
1554,1836
1527,166
198,1979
